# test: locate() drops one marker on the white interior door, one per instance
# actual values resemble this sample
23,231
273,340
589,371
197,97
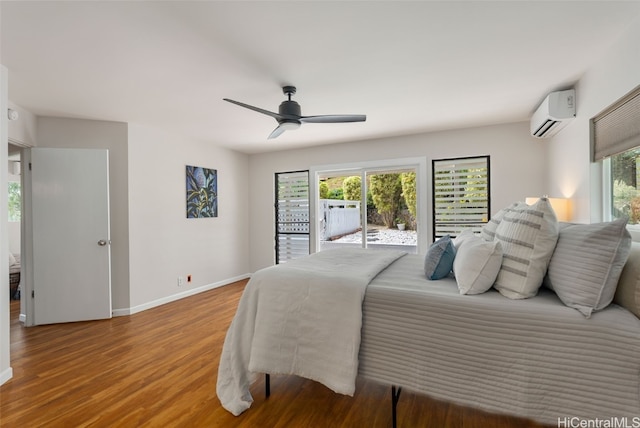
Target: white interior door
71,239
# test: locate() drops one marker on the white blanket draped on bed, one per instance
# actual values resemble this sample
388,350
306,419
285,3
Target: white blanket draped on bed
303,317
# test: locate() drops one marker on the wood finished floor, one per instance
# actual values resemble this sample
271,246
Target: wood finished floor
158,368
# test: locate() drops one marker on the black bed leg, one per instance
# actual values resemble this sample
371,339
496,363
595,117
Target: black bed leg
267,385
395,396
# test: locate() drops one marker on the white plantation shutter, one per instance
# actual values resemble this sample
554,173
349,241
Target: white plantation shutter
460,195
292,215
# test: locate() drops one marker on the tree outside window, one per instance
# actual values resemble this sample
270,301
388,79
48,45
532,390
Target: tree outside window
14,201
624,179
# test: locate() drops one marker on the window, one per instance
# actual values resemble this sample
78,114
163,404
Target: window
624,186
615,136
14,201
460,195
292,215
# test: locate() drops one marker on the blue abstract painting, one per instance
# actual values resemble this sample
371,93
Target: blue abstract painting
202,192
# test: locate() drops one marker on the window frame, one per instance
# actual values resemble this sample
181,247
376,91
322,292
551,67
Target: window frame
290,224
463,224
614,131
607,198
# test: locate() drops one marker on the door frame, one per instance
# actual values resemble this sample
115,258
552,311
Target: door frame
26,267
357,168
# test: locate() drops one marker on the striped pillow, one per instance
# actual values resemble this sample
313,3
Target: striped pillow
528,235
488,231
587,264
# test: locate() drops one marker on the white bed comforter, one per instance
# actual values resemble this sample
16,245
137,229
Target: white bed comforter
304,318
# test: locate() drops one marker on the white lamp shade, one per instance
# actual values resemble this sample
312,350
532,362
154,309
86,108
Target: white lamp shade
561,206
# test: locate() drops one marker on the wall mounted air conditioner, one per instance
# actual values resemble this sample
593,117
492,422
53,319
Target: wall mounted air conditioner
554,113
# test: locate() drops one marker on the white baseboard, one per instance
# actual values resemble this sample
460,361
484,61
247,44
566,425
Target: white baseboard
178,296
6,375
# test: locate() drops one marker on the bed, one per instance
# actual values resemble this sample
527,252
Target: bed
535,357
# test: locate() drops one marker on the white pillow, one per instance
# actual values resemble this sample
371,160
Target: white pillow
464,235
12,260
528,235
587,263
476,264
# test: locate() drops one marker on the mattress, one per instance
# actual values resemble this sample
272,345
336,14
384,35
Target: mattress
535,358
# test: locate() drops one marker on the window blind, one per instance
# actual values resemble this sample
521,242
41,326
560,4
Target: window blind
292,215
617,129
460,195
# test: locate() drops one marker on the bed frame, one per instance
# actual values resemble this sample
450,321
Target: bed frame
395,396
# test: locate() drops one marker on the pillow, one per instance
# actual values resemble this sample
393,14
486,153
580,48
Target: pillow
628,290
488,231
476,264
528,235
439,259
587,263
12,260
464,235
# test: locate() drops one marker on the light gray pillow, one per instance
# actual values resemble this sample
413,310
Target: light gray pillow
528,235
476,264
587,262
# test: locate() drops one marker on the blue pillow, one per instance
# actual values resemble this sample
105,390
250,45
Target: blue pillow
439,259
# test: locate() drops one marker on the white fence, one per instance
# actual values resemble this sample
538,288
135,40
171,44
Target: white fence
338,218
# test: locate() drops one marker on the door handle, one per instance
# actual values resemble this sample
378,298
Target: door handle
102,242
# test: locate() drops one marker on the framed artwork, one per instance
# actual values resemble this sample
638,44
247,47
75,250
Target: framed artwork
202,192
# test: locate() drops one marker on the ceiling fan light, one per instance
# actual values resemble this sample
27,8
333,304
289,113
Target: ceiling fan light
289,126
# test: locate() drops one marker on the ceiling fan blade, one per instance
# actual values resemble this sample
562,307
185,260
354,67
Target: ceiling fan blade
334,118
276,132
259,110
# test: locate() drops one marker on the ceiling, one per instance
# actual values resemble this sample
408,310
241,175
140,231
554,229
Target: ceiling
411,67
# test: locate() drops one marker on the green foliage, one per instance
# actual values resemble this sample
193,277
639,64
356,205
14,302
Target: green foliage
370,203
624,167
623,195
324,190
386,191
352,188
15,201
408,180
624,173
335,194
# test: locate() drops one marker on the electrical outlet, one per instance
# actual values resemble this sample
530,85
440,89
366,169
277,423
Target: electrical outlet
180,281
188,278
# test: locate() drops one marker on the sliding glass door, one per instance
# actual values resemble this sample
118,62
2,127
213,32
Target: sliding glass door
374,205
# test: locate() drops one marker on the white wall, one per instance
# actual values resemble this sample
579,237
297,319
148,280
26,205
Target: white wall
518,169
80,133
164,244
571,172
23,131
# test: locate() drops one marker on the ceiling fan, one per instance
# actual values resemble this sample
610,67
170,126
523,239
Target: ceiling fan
289,114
